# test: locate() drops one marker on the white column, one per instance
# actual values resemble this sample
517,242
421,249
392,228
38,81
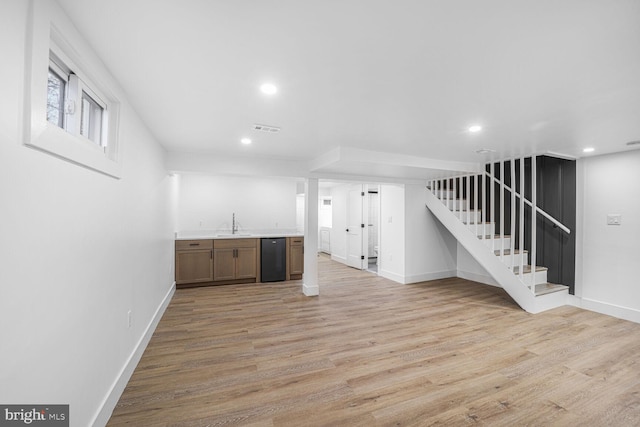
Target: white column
310,277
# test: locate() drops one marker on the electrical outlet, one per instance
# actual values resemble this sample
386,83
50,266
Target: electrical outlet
129,319
614,219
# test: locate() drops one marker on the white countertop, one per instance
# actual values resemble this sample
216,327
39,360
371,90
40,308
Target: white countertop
207,234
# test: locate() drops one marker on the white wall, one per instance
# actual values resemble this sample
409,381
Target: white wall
430,250
261,204
79,249
607,276
391,256
468,268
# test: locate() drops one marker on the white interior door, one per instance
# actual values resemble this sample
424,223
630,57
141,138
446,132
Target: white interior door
355,228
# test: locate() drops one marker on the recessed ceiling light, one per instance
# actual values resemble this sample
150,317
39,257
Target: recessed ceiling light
485,151
589,150
245,141
475,128
268,88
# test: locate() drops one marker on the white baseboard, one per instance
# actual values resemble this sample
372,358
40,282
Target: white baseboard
481,278
334,257
416,278
310,290
111,400
391,276
625,313
425,277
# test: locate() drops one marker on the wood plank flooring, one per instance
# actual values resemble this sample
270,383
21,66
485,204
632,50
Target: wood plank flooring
369,351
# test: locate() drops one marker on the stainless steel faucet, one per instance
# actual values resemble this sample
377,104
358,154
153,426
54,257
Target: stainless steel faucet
234,228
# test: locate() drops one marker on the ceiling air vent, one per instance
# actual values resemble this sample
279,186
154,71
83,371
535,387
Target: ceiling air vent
266,128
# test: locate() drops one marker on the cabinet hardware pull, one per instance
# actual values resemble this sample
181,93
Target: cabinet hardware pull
211,254
194,244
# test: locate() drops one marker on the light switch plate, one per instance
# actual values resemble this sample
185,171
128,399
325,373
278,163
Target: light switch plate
614,219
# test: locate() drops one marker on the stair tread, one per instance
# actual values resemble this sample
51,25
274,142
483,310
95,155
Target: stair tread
508,252
527,269
549,288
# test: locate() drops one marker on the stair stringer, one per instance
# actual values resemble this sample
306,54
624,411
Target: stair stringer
521,294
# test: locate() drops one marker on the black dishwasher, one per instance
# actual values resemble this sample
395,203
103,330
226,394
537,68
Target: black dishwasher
273,260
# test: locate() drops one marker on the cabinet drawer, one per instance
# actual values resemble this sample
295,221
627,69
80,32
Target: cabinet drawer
194,244
296,241
235,243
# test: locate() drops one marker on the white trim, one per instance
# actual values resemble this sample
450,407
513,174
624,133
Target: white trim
391,276
310,290
51,30
426,277
338,258
111,400
625,313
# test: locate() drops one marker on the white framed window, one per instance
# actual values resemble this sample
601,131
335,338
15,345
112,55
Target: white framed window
73,105
72,102
92,113
57,83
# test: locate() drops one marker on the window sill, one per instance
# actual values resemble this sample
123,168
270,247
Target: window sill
60,143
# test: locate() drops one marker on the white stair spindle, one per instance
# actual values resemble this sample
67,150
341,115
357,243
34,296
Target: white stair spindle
493,205
534,218
512,247
501,213
446,193
484,206
468,199
475,202
455,197
521,239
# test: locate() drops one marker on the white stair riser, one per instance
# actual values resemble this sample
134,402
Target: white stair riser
516,259
485,229
457,204
496,243
469,217
541,277
442,194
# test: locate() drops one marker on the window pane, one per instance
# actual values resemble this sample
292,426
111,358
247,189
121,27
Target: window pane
91,119
55,99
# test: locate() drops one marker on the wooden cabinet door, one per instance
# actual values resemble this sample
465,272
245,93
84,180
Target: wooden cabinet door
296,259
194,266
246,266
224,264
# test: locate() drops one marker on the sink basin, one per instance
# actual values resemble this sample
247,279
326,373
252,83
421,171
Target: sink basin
233,235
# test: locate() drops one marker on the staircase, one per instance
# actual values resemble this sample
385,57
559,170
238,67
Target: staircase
470,207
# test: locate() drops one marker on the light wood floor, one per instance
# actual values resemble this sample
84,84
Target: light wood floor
371,352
